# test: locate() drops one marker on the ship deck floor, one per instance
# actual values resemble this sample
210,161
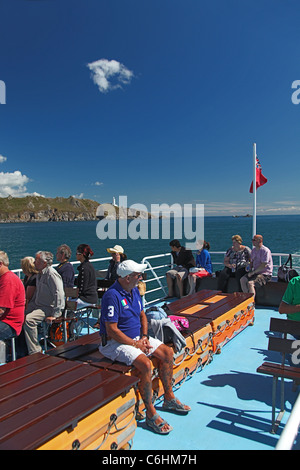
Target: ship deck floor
231,403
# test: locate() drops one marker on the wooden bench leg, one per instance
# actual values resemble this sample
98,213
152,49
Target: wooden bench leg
276,421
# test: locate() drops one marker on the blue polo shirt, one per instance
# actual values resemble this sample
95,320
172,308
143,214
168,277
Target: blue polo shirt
122,307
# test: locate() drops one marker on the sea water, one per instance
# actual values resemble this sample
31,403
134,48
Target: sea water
281,235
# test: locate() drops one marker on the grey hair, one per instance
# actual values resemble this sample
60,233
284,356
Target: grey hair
46,256
66,250
4,258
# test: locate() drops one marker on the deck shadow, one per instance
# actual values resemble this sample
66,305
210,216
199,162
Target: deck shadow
250,386
245,424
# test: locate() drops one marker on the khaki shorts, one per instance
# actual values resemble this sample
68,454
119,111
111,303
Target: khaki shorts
124,352
178,270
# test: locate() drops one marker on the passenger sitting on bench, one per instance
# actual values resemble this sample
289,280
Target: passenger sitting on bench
86,280
124,338
203,266
235,262
118,255
12,301
48,300
29,281
184,260
290,304
261,266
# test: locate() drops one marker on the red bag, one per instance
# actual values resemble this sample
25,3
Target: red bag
202,273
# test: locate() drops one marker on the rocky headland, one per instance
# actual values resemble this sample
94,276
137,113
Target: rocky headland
59,209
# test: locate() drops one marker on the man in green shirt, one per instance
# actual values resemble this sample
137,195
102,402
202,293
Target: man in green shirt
290,304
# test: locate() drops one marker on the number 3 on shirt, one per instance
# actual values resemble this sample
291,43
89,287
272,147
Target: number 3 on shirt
111,311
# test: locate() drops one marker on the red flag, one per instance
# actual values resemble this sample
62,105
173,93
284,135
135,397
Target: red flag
260,178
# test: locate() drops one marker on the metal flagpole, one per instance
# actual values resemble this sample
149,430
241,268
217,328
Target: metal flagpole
254,191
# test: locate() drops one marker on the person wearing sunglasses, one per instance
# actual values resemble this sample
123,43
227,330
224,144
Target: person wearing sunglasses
260,268
124,338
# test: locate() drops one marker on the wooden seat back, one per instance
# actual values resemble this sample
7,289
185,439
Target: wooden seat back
102,286
71,292
285,327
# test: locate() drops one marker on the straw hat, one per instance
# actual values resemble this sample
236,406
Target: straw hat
115,249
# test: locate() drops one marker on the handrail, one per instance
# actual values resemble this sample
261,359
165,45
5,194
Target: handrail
290,431
165,266
216,264
19,271
297,256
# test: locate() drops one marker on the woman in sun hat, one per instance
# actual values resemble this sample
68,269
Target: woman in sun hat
118,255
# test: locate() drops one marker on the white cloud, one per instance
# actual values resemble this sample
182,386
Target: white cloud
98,183
13,184
109,74
78,196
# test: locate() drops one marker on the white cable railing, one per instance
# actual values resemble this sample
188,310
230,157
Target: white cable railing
20,274
217,261
157,273
290,432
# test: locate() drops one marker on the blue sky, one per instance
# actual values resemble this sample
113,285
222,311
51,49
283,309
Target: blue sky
158,100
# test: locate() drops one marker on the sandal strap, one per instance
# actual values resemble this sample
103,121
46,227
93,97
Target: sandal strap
154,418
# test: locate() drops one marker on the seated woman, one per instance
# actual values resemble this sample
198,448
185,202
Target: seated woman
86,280
203,266
184,260
235,261
29,281
118,255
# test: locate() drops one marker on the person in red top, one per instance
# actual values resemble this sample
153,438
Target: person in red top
12,301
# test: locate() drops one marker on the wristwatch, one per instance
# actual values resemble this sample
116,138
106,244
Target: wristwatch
147,336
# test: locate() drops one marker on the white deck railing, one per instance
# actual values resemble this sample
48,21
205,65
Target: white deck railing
165,262
158,265
290,432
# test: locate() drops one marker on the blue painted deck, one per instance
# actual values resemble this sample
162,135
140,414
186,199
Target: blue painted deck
231,403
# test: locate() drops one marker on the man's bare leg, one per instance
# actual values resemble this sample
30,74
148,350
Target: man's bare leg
143,365
170,285
164,354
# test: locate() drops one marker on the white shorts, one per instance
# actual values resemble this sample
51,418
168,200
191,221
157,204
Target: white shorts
126,353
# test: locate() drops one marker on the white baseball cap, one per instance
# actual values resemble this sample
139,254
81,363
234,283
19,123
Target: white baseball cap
128,266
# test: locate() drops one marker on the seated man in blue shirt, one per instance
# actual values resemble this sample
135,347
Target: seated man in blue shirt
123,331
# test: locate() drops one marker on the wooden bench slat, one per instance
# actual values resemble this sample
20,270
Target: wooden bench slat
281,345
64,379
75,397
81,350
24,361
31,369
193,299
98,392
90,353
278,370
212,310
86,339
283,325
11,389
